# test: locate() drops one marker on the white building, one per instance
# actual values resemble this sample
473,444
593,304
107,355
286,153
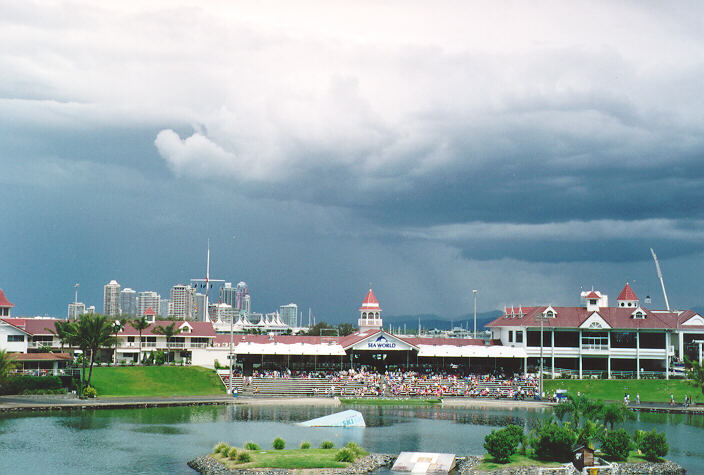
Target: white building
148,299
228,295
164,308
111,299
289,314
75,309
182,302
370,314
128,302
5,305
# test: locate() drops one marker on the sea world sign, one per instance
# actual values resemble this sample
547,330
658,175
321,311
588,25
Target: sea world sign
381,343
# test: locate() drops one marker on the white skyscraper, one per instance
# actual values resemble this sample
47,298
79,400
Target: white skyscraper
148,299
289,314
111,299
228,294
246,305
240,293
76,309
164,308
200,307
182,304
128,302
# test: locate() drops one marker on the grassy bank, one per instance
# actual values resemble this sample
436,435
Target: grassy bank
391,402
517,461
650,390
156,381
289,459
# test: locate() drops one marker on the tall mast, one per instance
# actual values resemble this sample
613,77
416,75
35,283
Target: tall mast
662,281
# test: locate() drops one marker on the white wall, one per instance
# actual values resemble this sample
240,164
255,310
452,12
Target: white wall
207,356
14,347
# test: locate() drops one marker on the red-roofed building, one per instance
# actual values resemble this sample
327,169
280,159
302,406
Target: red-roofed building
6,305
594,339
370,313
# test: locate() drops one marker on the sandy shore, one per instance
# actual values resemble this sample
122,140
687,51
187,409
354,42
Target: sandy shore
495,403
284,401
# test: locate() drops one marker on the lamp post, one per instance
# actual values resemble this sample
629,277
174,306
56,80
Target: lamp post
540,380
230,355
475,312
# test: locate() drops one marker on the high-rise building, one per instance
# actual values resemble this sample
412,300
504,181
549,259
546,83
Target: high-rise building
111,299
182,303
164,308
246,305
128,302
228,294
240,292
146,300
90,310
289,314
75,309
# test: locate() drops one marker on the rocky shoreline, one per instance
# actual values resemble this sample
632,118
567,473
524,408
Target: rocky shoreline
464,466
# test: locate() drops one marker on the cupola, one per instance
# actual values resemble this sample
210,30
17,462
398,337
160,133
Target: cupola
370,313
627,298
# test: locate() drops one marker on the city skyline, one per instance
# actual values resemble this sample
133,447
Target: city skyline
525,150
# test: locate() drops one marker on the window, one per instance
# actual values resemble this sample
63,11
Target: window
592,301
595,340
15,338
519,336
510,336
639,315
550,314
130,339
5,312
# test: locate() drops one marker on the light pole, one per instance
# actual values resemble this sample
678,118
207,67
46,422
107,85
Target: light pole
540,380
475,312
230,355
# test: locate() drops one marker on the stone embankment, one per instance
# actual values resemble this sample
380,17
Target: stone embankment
370,463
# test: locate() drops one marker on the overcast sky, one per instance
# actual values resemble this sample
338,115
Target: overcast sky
524,149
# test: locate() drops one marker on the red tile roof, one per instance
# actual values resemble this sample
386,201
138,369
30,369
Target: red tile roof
149,311
593,295
370,302
200,329
627,293
40,357
32,326
6,303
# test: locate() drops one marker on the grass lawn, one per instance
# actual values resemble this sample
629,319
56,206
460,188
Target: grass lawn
156,381
517,460
391,402
651,390
290,458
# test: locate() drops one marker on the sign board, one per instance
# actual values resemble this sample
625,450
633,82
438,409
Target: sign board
424,462
348,418
382,342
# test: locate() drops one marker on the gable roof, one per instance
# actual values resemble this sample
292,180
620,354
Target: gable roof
593,295
6,303
370,302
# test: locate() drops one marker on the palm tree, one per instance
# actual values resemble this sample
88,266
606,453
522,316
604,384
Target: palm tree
140,324
7,365
696,373
93,332
615,414
64,330
169,331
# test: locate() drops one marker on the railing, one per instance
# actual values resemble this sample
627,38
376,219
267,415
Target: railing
39,344
179,344
49,372
594,347
198,345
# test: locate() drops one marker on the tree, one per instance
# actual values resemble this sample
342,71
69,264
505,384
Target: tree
7,366
140,324
615,414
616,444
169,331
90,334
501,444
653,445
63,330
695,373
317,329
346,329
552,441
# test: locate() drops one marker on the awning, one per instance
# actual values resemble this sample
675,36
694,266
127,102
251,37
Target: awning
303,349
470,351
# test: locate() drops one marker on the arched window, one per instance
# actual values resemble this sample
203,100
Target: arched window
364,315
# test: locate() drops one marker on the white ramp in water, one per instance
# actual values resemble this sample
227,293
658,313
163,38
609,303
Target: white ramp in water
424,462
348,418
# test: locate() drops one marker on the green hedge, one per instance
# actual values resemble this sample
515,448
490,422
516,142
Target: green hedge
19,384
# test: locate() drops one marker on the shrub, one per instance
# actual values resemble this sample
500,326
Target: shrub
345,455
90,392
616,444
244,457
279,443
43,391
551,441
232,453
500,444
305,445
18,384
355,448
326,444
219,447
654,445
217,365
251,446
516,432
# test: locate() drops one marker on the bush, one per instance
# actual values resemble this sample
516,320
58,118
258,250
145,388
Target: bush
244,457
500,444
159,358
219,447
90,392
251,446
232,453
18,384
326,444
616,445
217,365
551,441
305,445
43,391
279,443
654,445
355,448
516,432
345,455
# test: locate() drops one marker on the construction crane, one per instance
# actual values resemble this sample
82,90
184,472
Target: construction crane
662,282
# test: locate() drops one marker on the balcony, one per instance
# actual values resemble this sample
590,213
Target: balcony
39,344
594,347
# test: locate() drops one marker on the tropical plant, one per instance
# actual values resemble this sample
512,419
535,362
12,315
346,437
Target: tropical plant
354,448
616,444
140,324
219,447
251,446
516,432
169,331
695,373
654,445
615,414
90,392
305,445
279,443
232,453
7,366
65,331
500,444
552,441
91,332
244,457
345,455
326,444
587,433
